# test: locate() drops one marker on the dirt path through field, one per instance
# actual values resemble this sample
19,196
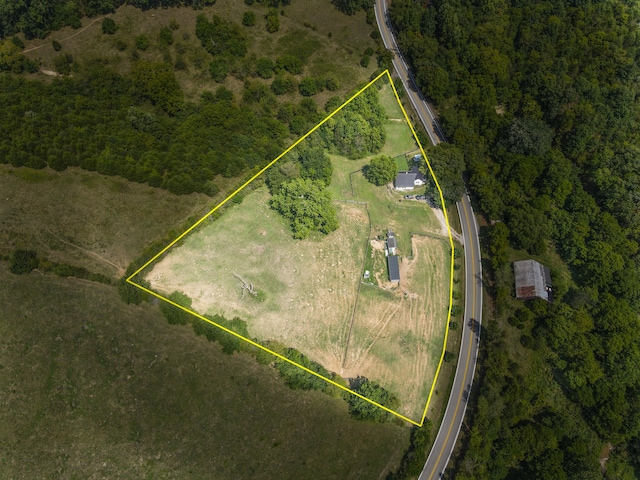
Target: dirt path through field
398,335
66,38
443,225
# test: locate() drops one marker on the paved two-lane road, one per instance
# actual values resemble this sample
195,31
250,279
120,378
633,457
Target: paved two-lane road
454,415
418,101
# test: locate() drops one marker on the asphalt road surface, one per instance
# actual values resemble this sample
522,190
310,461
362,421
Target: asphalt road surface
454,415
418,101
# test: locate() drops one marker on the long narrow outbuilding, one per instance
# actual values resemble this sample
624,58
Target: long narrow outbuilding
394,268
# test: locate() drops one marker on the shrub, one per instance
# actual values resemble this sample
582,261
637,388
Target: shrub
331,84
332,104
249,19
364,410
289,63
219,68
56,45
180,64
308,87
23,261
282,85
165,37
273,23
129,293
175,315
121,45
264,68
17,42
174,25
449,357
109,26
221,37
142,42
62,64
364,61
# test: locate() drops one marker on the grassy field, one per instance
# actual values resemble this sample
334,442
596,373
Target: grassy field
93,388
304,30
85,219
311,286
404,331
312,281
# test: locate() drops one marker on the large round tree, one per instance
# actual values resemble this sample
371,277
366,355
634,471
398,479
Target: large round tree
307,205
381,170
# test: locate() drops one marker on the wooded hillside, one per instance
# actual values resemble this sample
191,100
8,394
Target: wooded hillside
542,100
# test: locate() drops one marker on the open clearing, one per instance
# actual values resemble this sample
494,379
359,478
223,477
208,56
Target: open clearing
314,281
93,388
314,295
86,219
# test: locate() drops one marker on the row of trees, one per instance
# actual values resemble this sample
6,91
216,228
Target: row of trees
293,375
541,102
137,127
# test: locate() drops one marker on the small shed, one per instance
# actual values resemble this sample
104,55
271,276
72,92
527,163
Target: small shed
533,280
392,243
394,269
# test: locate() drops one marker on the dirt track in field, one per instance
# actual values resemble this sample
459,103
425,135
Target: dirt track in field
398,342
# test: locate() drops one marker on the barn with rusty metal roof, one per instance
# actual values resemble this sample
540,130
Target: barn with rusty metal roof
533,280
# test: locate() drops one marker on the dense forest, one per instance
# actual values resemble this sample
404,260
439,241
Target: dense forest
541,100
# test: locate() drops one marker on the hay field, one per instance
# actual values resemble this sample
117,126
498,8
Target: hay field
398,335
310,285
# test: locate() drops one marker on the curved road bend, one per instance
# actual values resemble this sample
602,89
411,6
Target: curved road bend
454,414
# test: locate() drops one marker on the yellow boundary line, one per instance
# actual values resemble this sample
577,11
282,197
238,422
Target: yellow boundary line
255,344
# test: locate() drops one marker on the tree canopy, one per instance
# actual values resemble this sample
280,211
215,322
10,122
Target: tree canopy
540,101
381,170
307,205
357,130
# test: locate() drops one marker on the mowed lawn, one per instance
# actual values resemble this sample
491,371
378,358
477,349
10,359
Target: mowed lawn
94,388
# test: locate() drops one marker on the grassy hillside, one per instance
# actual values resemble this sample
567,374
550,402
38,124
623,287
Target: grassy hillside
94,388
86,219
327,41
